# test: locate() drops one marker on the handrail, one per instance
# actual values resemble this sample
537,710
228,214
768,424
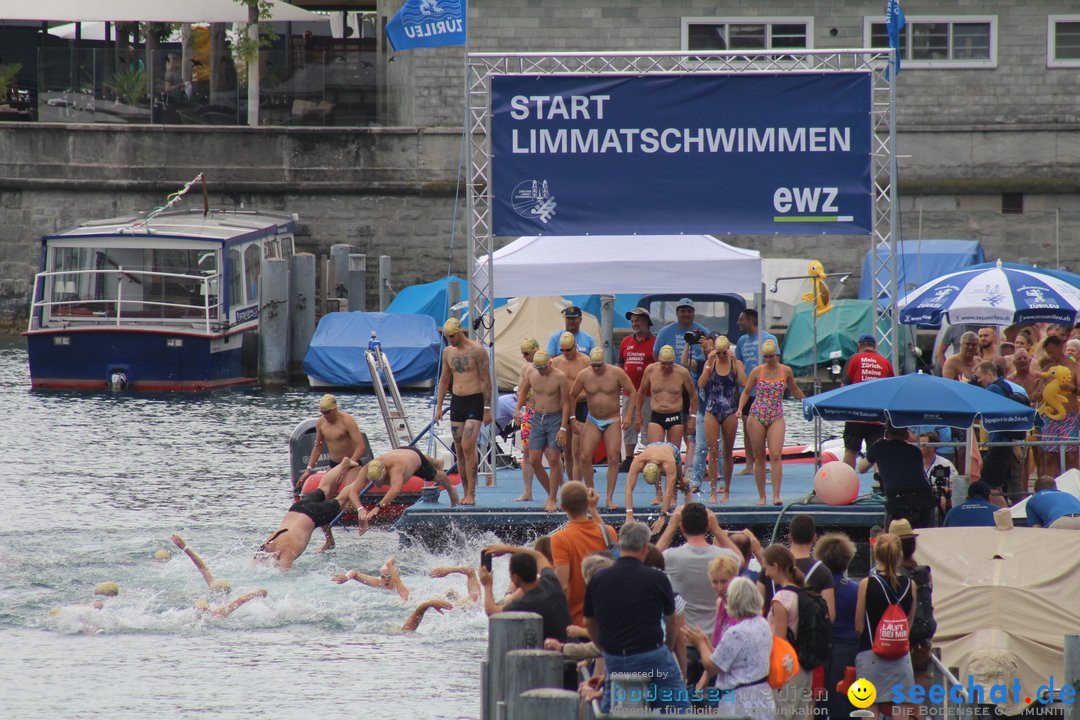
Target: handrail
209,311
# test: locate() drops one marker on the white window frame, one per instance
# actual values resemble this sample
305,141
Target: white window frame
767,21
989,64
1051,41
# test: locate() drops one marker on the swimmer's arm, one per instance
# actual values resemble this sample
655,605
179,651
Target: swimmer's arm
740,370
395,580
199,564
369,580
671,474
688,386
792,385
316,449
470,577
231,607
631,392
643,391
417,616
631,480
523,392
575,390
751,381
444,383
490,606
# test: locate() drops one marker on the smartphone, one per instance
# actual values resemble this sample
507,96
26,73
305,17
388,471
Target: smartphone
485,560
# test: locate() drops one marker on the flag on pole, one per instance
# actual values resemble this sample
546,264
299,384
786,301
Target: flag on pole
427,23
894,22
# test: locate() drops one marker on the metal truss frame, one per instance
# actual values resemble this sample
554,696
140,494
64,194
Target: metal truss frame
481,66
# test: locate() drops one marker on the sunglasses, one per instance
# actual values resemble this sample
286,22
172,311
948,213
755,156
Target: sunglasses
325,412
769,356
566,349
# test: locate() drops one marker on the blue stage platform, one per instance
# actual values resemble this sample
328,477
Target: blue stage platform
434,522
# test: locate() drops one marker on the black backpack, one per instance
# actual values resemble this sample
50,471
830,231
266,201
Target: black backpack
924,626
813,641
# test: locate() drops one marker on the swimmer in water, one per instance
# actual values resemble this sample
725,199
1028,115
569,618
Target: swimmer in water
387,579
203,605
213,584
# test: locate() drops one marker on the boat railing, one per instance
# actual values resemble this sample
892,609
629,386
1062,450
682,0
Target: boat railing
118,311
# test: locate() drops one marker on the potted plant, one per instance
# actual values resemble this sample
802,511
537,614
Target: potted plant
128,85
7,79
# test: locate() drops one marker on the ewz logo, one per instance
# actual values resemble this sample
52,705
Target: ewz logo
811,204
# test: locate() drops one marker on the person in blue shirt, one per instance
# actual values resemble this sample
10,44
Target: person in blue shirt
1052,508
748,350
976,511
572,318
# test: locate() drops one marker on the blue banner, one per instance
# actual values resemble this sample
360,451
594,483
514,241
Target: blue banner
427,23
741,154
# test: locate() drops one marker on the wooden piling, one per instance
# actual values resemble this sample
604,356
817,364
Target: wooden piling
529,670
301,310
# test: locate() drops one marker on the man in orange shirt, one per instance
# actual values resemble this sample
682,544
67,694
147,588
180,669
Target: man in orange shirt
581,536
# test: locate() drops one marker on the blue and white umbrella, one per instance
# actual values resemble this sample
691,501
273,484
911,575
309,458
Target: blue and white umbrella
992,296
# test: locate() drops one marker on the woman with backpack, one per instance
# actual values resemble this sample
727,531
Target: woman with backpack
792,700
884,612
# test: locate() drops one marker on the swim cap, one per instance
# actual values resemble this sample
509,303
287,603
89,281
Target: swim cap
667,354
651,473
375,470
328,402
221,586
163,554
452,326
722,343
596,357
768,348
567,341
541,359
529,344
110,589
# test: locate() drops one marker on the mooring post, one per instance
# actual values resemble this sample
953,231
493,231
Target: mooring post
339,287
508,631
548,704
357,282
301,310
530,670
273,323
628,692
384,282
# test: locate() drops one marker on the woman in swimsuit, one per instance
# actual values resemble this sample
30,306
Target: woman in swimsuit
721,378
766,423
529,346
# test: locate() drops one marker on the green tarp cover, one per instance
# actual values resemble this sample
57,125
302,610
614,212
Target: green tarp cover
837,329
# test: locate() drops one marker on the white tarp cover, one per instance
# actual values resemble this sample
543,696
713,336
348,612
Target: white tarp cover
612,264
524,317
173,11
1068,482
1004,600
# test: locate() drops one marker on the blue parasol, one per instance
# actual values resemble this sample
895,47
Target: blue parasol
998,295
920,399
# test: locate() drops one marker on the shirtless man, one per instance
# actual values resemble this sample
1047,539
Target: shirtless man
657,459
988,347
339,433
397,466
570,363
603,385
551,410
1068,427
293,535
667,382
466,362
1022,375
961,365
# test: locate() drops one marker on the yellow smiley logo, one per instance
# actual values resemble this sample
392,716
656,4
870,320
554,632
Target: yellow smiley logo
862,693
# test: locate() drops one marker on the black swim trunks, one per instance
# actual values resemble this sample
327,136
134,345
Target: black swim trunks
426,471
581,411
666,420
466,407
318,508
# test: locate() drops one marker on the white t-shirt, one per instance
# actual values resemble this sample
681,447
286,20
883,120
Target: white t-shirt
687,568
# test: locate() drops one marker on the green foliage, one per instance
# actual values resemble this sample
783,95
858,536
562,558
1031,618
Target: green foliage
129,85
7,78
247,48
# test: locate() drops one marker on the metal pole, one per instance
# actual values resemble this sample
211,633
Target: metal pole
816,385
607,326
384,282
301,310
893,229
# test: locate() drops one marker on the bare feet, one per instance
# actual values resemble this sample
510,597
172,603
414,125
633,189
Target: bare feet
725,497
550,505
777,501
761,500
328,545
712,497
747,470
468,500
523,498
611,505
656,500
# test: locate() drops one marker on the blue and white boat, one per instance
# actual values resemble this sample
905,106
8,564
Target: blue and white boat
164,302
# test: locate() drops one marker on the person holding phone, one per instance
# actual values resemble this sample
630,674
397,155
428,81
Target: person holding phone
542,593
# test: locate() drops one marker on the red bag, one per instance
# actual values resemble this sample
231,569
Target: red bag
891,634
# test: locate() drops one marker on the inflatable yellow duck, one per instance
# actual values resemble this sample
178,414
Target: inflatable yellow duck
820,295
1053,397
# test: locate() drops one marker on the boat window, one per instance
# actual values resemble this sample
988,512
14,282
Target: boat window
236,278
271,248
252,268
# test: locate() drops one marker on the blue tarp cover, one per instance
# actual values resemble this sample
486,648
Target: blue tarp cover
920,261
411,343
427,299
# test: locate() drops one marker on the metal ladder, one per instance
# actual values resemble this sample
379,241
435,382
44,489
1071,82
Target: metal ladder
382,379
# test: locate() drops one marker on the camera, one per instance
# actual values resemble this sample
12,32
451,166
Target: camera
693,337
485,560
939,478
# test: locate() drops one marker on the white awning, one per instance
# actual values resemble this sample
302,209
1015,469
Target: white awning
173,11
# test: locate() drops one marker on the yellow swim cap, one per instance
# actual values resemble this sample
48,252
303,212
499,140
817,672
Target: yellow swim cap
566,341
541,359
769,348
219,585
651,473
452,326
667,354
596,356
375,470
722,343
529,344
109,589
163,554
328,402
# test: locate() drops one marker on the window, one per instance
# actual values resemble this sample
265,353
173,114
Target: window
937,41
1063,41
714,33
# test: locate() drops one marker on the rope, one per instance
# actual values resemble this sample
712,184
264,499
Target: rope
171,200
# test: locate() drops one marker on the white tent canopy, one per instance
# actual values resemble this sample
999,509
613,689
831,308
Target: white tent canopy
612,264
188,11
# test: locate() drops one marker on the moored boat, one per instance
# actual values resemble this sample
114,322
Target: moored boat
165,302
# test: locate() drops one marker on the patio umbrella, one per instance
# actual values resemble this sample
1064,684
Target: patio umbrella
992,296
170,11
920,399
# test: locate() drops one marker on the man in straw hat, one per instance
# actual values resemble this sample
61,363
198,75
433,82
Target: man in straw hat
465,362
338,432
